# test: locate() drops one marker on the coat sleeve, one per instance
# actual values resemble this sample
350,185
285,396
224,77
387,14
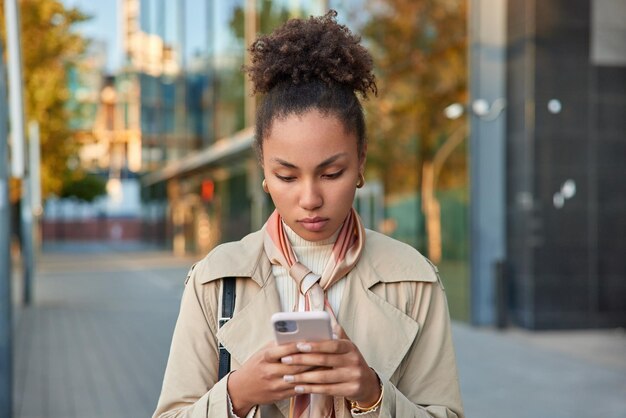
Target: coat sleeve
190,386
427,386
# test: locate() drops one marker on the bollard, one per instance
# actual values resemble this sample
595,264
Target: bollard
501,293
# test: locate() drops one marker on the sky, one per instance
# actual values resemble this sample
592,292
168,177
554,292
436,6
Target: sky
104,26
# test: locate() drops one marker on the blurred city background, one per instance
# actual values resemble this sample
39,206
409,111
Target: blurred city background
497,147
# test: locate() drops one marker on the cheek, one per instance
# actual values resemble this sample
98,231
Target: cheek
282,197
344,195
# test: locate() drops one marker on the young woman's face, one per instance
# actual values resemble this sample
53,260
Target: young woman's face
311,166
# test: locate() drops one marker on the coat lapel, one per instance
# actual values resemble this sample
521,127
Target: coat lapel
250,328
365,317
256,298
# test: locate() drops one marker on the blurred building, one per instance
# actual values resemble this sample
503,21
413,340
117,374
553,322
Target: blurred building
109,147
548,200
566,154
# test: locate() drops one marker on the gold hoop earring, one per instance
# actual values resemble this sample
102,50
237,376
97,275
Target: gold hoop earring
264,185
361,182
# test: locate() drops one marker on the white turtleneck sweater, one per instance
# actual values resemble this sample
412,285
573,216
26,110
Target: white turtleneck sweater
314,255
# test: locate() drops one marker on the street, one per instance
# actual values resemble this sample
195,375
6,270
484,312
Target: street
95,343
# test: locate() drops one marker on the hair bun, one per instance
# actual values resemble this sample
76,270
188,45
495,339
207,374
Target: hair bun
304,50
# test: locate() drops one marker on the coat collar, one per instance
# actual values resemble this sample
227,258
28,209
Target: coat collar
246,258
383,348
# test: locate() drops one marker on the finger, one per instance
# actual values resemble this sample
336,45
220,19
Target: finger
327,346
279,370
319,376
273,377
339,389
339,332
316,359
274,353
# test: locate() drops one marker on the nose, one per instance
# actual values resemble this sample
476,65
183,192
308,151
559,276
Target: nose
310,196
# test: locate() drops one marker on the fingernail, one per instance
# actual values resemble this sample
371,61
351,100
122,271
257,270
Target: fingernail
288,378
304,347
287,360
299,389
335,336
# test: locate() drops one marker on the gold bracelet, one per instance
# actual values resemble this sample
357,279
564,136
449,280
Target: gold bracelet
354,405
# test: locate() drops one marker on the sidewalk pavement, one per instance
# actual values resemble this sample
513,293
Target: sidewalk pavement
95,344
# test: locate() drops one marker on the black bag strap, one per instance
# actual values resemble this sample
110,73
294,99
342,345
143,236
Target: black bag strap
228,306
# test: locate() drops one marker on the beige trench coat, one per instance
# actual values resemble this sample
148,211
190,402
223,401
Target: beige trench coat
393,308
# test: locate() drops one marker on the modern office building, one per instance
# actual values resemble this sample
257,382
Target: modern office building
566,162
548,231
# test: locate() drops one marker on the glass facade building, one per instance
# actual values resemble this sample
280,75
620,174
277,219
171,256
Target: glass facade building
566,148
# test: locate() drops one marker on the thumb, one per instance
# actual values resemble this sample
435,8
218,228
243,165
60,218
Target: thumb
339,333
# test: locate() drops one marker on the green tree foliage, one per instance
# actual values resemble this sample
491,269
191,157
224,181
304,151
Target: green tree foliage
83,186
420,49
270,14
50,48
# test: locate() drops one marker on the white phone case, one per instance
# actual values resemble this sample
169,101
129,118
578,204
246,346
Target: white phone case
301,326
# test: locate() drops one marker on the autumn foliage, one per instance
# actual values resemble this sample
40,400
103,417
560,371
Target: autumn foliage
50,46
420,54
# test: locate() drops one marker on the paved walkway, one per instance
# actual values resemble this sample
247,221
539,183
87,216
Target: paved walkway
522,374
95,345
96,340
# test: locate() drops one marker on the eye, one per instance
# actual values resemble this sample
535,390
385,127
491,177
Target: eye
333,175
286,179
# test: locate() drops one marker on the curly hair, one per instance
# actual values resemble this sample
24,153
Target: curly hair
312,63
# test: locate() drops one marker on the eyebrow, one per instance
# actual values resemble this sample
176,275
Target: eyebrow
323,164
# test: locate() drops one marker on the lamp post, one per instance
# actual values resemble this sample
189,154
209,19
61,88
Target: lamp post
18,142
6,355
430,171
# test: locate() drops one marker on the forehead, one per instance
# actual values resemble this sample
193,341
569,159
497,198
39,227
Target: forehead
311,135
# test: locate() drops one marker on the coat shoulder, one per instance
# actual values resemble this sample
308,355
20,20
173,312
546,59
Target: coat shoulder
232,259
396,261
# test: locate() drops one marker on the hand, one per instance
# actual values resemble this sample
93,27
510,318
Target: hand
260,379
336,368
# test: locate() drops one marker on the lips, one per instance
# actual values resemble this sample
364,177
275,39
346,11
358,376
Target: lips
313,224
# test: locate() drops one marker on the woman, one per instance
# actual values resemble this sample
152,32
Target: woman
393,355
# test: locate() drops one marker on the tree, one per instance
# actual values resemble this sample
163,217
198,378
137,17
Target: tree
49,49
419,49
84,186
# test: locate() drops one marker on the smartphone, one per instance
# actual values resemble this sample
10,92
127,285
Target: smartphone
301,326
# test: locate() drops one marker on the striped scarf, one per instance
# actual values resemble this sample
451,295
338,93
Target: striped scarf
311,287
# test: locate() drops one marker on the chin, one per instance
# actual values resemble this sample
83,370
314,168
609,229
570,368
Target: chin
314,235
